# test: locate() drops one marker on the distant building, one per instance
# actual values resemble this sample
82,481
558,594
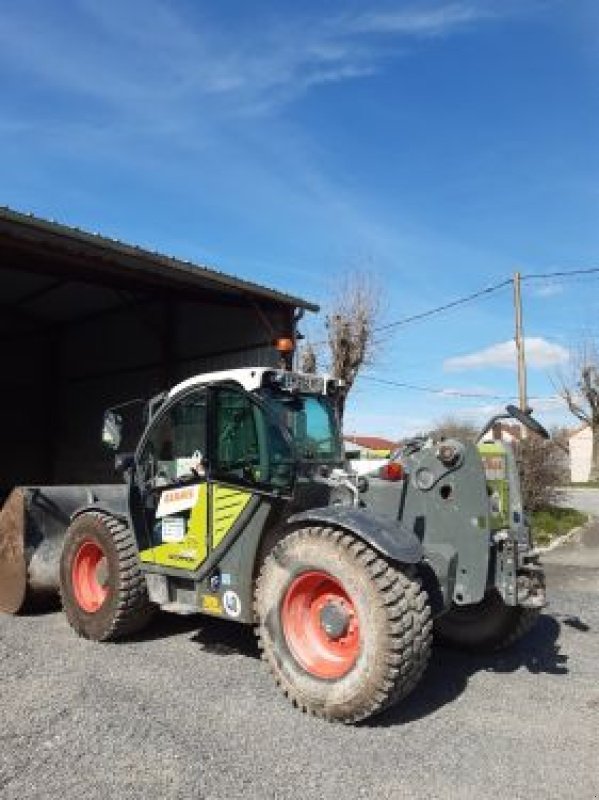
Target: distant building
581,453
505,432
368,447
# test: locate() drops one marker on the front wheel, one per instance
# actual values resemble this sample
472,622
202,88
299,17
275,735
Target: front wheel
102,588
344,632
486,626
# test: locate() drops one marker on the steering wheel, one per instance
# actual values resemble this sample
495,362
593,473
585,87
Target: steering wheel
526,419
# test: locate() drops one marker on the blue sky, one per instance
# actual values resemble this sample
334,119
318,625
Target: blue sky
440,145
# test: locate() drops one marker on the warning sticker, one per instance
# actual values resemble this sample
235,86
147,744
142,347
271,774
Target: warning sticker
173,529
232,603
211,603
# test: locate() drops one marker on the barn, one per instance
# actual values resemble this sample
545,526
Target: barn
87,322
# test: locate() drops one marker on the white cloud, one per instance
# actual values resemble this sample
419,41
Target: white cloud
154,53
548,290
540,354
435,21
546,405
472,391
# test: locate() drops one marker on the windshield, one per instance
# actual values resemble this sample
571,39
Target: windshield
311,421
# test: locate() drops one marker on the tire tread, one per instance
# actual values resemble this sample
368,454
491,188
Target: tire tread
408,626
133,609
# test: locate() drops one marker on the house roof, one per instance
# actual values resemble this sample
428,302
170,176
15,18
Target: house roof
371,442
101,253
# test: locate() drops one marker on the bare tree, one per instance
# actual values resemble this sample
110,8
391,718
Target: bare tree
350,324
542,472
581,393
308,361
453,428
560,436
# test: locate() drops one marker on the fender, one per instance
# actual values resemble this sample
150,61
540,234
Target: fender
112,500
388,537
103,508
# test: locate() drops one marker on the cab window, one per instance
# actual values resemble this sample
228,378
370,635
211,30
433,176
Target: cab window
250,447
176,445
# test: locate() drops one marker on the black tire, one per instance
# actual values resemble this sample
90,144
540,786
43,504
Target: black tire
486,626
395,629
126,608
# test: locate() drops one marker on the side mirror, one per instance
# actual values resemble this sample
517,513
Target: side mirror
123,462
112,431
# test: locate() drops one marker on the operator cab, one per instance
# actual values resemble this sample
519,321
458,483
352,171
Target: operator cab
222,449
303,404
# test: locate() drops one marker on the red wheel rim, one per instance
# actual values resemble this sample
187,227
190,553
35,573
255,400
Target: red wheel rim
89,576
321,625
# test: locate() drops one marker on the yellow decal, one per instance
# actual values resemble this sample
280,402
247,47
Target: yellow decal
191,551
211,603
227,505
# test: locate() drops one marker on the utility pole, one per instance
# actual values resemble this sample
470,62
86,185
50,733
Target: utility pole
520,343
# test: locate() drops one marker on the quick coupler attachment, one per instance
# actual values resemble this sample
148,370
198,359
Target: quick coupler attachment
531,584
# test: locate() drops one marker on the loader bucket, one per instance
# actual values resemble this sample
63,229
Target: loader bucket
13,569
32,527
33,522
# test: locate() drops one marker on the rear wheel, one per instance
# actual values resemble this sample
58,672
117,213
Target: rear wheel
103,590
485,626
345,633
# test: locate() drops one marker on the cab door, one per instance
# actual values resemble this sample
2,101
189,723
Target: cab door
172,470
251,462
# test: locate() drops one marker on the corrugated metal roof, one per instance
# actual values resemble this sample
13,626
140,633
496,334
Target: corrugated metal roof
30,226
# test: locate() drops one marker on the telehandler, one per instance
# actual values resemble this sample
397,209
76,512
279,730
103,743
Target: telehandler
236,503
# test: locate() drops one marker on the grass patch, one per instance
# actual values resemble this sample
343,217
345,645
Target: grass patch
585,485
553,521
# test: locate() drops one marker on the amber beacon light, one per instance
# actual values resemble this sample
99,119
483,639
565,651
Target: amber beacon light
284,345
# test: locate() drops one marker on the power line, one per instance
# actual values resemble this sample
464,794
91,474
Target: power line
561,274
433,390
450,392
481,293
471,297
445,307
432,311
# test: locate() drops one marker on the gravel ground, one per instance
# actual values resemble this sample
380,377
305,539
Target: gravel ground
188,711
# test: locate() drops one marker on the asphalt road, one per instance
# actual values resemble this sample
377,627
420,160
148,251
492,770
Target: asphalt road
187,711
586,500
